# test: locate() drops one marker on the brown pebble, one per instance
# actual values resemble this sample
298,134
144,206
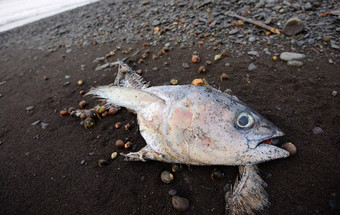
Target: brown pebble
81,92
140,61
195,58
139,72
82,104
209,62
201,69
167,177
80,82
176,168
45,78
224,76
127,127
118,125
113,111
290,147
119,144
154,57
180,203
63,113
103,162
71,109
127,145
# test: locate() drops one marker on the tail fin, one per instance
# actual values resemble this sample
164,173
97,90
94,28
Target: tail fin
130,98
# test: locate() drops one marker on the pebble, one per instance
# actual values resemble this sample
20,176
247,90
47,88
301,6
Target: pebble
156,22
0,95
172,192
82,162
119,144
103,162
185,66
36,122
68,51
252,67
167,177
251,39
30,108
330,61
67,76
317,130
82,104
217,57
290,147
334,93
234,31
293,26
308,6
44,125
288,56
294,63
326,38
114,155
180,203
253,53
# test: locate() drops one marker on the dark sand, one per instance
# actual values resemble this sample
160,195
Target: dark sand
41,171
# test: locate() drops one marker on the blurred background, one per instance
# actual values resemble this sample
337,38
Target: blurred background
14,13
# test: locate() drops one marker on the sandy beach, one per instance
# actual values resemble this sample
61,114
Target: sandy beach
51,167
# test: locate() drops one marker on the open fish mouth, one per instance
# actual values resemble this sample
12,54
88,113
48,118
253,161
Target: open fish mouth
281,142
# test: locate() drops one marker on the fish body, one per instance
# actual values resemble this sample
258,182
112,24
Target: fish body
196,125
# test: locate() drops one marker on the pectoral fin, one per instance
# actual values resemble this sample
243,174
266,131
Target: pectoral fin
130,98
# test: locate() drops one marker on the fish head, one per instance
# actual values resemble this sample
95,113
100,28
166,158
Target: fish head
258,137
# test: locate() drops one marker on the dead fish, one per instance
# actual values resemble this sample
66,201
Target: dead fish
196,125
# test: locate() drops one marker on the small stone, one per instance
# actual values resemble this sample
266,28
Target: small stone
80,82
335,46
114,155
294,63
156,22
67,77
252,67
308,6
30,108
334,93
234,31
167,44
326,38
330,61
44,125
82,162
268,21
293,26
128,145
113,111
290,147
118,125
82,104
201,69
288,56
167,177
173,82
119,144
180,203
195,58
224,76
36,122
281,10
103,162
185,66
66,83
251,39
227,64
317,130
217,57
253,53
68,51
0,95
172,192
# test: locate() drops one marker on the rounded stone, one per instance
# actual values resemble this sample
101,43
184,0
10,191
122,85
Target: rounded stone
180,203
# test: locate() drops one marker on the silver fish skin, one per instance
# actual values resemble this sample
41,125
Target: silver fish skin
196,125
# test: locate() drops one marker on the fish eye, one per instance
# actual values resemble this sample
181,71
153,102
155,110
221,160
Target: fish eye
245,120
